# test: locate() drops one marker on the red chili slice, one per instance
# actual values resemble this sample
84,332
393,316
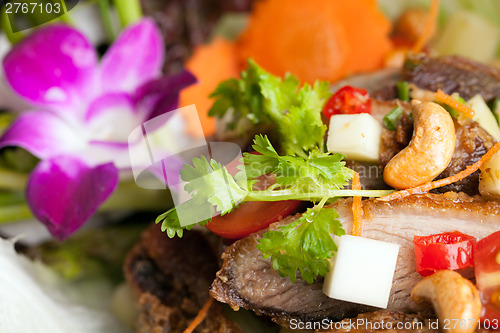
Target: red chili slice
348,100
487,268
450,250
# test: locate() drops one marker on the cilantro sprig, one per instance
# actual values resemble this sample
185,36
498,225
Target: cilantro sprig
263,98
306,243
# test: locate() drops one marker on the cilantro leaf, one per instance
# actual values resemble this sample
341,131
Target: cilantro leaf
170,223
264,98
315,173
211,182
304,245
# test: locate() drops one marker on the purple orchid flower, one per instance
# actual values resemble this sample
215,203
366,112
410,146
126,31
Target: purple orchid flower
82,113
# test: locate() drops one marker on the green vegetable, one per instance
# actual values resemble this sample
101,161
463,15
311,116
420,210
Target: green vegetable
317,177
312,232
265,98
391,119
403,88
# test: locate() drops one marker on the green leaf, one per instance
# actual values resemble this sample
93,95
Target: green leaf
316,172
170,223
264,98
304,245
211,182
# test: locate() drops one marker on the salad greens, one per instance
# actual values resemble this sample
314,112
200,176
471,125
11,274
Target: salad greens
304,172
264,98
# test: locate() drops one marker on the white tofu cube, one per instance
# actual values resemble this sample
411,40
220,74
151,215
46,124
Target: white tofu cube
362,271
357,136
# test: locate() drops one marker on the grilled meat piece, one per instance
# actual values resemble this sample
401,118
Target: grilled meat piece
249,281
171,278
452,74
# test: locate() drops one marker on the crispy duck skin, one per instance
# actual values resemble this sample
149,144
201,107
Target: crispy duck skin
249,281
170,279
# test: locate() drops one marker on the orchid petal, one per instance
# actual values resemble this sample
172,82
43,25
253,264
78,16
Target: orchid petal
162,95
43,133
134,58
54,66
64,192
112,117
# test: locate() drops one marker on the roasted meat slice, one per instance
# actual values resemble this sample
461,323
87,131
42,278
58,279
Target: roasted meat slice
249,281
452,74
171,278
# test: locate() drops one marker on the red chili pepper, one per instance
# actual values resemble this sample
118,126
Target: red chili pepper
449,250
487,268
348,100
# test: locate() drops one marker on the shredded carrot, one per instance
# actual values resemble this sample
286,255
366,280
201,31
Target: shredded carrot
448,100
357,209
430,27
200,316
445,181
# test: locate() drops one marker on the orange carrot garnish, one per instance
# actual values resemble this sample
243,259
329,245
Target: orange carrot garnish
445,181
450,101
357,209
211,64
430,27
200,316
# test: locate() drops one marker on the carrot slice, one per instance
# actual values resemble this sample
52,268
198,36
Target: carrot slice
211,64
445,181
321,39
430,27
200,316
357,208
448,100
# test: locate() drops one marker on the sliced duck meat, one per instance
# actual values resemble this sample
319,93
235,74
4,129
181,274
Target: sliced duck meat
452,74
171,278
249,281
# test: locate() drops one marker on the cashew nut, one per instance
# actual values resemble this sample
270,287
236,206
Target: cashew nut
455,299
429,151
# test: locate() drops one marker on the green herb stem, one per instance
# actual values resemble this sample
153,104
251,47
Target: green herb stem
12,180
105,11
280,195
129,11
